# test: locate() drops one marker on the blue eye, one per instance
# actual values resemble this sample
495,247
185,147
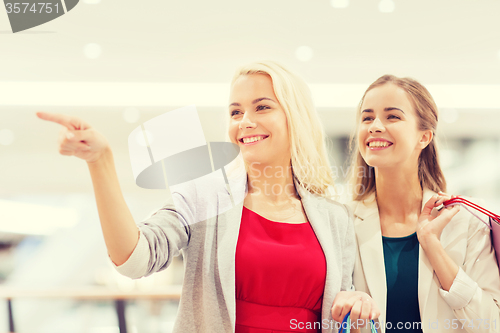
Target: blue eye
367,118
234,112
262,107
393,117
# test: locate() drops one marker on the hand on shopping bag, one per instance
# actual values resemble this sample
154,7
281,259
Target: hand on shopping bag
430,226
442,197
359,303
77,137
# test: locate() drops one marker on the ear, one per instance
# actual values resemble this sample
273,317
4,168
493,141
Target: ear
425,139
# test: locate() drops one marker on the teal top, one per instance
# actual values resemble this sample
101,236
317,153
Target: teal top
401,271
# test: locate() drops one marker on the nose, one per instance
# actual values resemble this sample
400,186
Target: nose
247,121
376,126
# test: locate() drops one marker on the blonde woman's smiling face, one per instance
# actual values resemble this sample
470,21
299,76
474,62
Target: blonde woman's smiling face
388,133
258,124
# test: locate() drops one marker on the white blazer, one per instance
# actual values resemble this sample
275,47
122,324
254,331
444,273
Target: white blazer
471,304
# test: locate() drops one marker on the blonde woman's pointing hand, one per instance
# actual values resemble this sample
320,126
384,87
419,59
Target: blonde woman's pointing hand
77,137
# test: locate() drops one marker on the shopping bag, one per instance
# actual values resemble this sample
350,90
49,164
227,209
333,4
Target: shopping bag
345,327
493,225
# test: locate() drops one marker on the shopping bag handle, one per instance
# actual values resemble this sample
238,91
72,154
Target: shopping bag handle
466,204
346,324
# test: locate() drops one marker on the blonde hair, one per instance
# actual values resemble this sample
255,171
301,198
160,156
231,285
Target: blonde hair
429,170
309,159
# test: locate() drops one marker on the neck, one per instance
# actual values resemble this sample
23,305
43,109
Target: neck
399,193
275,182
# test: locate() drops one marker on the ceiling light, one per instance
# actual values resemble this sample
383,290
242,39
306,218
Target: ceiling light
26,218
92,50
339,3
386,6
304,53
166,94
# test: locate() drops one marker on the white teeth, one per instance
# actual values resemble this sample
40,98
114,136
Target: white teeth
252,139
378,144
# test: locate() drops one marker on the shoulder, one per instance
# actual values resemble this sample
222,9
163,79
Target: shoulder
468,224
476,221
201,188
201,198
352,205
331,205
363,209
335,216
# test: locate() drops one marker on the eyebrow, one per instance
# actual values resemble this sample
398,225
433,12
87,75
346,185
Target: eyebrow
386,109
255,101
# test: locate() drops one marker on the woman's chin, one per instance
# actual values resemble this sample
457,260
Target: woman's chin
251,159
377,163
263,158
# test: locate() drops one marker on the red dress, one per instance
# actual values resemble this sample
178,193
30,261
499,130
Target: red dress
280,276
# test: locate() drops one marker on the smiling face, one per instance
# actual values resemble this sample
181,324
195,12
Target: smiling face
258,124
388,134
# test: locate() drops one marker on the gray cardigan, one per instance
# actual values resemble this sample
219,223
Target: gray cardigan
202,223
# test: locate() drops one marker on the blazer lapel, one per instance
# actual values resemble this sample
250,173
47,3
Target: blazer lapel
425,270
319,219
369,237
229,208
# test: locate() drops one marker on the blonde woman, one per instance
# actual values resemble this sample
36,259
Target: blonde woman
427,273
279,259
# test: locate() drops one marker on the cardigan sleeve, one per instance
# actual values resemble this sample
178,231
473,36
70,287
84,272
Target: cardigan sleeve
136,265
461,292
475,293
162,236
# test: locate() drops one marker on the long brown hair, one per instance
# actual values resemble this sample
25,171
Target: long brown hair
429,170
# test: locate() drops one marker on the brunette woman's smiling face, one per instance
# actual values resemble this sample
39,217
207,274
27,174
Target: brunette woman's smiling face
258,124
388,134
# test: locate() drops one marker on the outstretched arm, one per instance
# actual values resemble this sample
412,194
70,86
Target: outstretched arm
79,139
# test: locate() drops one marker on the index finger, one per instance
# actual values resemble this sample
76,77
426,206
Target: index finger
61,119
